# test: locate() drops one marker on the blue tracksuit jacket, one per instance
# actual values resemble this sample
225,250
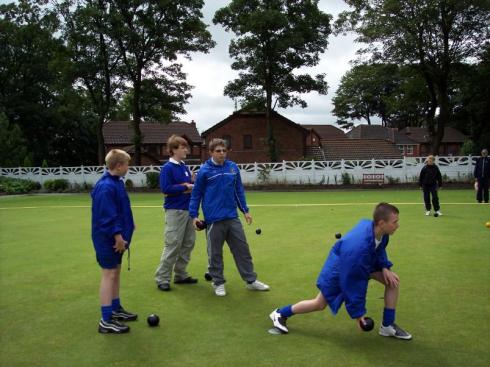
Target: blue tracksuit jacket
221,190
111,212
345,274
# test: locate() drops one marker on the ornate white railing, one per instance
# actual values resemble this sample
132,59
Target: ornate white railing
458,169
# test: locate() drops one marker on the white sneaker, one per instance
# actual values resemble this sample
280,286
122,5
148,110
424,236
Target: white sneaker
219,290
278,321
258,286
438,213
395,331
427,213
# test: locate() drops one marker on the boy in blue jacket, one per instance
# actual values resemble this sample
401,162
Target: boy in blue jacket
219,186
176,185
359,256
112,229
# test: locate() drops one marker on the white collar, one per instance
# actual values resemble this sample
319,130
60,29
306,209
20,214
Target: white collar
212,160
171,160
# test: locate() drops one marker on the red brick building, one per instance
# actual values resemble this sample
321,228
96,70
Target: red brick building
411,141
119,134
246,134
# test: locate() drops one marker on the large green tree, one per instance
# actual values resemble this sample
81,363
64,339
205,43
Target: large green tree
95,63
471,101
434,35
275,38
150,35
13,150
35,92
361,93
396,95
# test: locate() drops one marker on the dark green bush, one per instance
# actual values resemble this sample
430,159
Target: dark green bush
12,186
57,185
129,184
152,180
346,179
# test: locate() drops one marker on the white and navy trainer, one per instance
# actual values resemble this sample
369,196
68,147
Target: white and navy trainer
123,315
258,286
112,327
278,321
219,290
395,331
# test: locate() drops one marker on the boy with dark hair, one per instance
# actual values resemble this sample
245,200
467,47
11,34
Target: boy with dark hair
112,229
176,185
219,188
359,256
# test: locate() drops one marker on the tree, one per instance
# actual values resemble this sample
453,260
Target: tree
149,36
274,38
362,91
162,98
434,35
12,144
472,103
95,61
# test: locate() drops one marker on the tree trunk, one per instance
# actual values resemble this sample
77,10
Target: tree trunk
271,142
432,110
443,119
137,138
100,141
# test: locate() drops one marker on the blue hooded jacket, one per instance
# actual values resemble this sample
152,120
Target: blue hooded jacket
345,274
221,190
111,212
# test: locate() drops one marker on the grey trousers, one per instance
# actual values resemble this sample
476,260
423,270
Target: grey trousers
180,238
231,231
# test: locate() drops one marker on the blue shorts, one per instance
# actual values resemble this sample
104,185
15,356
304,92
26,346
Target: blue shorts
107,258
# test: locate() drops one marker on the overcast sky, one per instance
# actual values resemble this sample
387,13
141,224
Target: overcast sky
209,73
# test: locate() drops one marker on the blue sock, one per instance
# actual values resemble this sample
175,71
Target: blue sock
388,316
106,312
116,304
286,311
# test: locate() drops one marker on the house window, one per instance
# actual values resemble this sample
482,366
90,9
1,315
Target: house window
402,149
409,150
247,141
227,139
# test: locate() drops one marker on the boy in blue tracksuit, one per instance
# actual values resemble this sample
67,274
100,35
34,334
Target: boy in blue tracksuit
359,256
180,236
219,187
112,229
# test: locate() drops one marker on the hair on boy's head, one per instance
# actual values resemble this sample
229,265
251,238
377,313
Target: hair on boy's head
216,143
174,142
115,157
383,211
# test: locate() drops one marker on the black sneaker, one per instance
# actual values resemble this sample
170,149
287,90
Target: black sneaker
165,287
112,327
188,280
123,315
279,321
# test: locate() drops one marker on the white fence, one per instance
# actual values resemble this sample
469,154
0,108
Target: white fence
457,169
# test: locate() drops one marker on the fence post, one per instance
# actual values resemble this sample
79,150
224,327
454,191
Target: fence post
284,170
313,169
